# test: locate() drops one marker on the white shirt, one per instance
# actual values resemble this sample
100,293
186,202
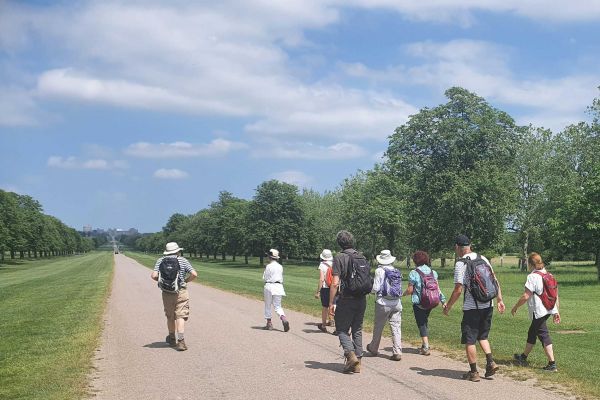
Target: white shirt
323,267
460,277
536,308
378,283
273,274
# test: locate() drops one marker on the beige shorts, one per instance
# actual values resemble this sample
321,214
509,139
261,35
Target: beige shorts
177,305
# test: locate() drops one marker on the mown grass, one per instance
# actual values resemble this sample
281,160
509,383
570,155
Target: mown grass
577,354
50,324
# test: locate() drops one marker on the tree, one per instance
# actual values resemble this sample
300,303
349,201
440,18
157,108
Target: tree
323,219
457,163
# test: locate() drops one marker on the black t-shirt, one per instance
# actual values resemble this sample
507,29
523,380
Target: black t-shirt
341,263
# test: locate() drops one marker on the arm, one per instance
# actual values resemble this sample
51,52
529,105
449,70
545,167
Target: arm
409,290
378,280
321,280
522,300
556,317
458,288
500,305
154,275
193,275
332,292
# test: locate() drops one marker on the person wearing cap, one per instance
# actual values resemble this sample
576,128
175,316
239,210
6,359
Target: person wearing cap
323,289
477,316
177,304
273,290
387,307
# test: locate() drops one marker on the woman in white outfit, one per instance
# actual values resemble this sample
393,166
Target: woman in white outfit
273,291
388,306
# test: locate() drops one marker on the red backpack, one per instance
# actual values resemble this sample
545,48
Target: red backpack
550,291
329,275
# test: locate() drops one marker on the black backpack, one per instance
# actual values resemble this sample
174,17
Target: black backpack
358,281
168,275
481,281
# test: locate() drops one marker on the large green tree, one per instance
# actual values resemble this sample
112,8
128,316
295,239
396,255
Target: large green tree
457,162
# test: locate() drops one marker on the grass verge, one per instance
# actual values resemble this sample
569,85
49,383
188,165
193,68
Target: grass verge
575,339
51,321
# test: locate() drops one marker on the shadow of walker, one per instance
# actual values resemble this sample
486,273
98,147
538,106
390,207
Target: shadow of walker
335,367
157,345
443,373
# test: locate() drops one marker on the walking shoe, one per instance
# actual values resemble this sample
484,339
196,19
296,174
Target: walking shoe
181,345
356,369
472,376
322,328
520,360
371,351
424,351
351,362
491,369
268,326
396,357
550,368
286,325
331,323
335,333
171,341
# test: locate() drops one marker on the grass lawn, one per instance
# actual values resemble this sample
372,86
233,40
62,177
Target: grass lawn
575,339
50,324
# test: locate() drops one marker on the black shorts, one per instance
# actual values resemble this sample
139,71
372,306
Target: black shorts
476,325
325,297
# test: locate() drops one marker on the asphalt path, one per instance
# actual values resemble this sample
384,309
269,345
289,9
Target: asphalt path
229,356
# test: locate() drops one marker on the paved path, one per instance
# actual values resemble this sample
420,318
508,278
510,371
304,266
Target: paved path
230,357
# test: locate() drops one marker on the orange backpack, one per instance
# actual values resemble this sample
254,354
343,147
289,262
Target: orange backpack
329,275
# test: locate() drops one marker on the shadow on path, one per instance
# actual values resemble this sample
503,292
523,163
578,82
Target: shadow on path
407,350
262,328
157,345
443,373
336,367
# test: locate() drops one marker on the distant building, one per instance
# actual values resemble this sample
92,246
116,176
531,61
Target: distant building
87,229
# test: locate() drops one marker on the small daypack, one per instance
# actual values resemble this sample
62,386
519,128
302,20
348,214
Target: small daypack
358,281
430,290
329,275
481,281
550,290
168,275
392,284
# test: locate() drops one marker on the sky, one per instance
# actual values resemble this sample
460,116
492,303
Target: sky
119,114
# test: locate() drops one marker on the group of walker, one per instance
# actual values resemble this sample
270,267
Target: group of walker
345,281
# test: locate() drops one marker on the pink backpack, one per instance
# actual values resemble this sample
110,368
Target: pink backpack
430,290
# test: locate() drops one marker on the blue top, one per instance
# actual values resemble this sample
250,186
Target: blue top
415,279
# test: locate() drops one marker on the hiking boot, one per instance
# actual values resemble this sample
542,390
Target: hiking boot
371,351
491,369
351,362
424,351
171,341
331,323
268,326
181,345
322,328
396,357
550,368
520,360
356,369
472,376
286,325
335,333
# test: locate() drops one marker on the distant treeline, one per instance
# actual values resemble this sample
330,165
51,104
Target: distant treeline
26,230
461,167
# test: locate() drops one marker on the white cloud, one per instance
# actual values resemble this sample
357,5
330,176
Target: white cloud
293,177
311,151
174,173
7,187
215,148
72,162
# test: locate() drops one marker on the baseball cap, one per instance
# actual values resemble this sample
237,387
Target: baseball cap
463,240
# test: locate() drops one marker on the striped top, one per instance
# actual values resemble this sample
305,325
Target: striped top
184,268
461,277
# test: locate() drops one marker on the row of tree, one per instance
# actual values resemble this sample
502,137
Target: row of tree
25,229
461,167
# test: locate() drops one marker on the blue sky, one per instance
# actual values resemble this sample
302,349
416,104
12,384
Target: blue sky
118,114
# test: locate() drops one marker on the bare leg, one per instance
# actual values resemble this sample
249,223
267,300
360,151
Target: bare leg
485,346
425,340
180,323
471,353
529,347
549,352
324,314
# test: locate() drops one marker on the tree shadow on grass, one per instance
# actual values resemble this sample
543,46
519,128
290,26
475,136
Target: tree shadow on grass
335,367
443,373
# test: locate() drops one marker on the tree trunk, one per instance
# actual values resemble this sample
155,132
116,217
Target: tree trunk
246,259
408,261
29,253
21,254
523,262
223,257
598,262
443,262
233,257
262,259
12,255
214,256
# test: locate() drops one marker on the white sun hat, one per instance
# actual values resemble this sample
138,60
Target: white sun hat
274,254
326,255
172,248
385,257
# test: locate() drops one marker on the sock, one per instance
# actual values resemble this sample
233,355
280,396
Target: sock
179,336
268,320
425,346
172,334
523,356
283,318
473,367
488,358
551,362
